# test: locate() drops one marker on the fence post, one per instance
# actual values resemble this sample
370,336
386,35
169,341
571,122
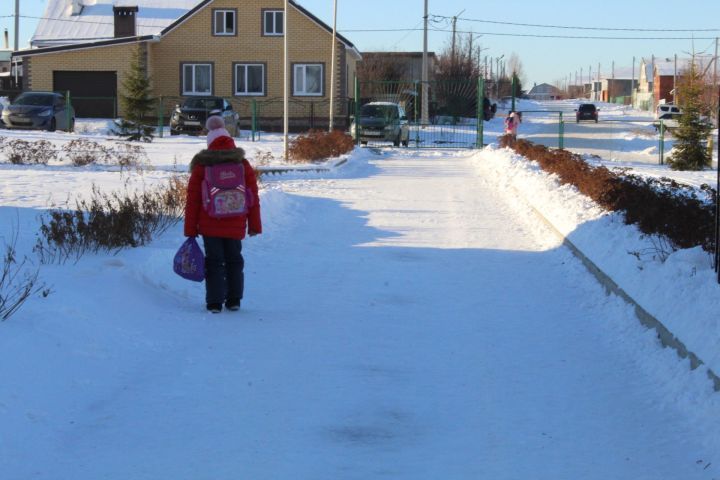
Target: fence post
253,118
561,133
68,117
161,120
357,111
662,142
481,113
417,125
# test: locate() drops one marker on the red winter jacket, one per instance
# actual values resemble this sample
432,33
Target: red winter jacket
197,221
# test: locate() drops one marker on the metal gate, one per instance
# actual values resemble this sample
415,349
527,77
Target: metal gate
453,116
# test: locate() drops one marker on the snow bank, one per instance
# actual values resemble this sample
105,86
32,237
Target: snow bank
680,292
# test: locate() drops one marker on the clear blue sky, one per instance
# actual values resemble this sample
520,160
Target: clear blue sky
544,59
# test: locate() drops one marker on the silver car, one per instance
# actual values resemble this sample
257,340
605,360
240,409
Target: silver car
39,111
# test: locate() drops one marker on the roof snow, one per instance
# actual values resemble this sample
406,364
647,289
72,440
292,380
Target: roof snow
96,22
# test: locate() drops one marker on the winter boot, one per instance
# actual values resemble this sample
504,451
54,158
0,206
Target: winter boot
214,307
232,304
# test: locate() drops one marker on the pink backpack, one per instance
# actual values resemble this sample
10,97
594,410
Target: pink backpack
224,193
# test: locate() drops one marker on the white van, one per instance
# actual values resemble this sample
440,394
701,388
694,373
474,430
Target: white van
667,111
669,114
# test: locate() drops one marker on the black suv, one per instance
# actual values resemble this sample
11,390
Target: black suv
190,117
586,111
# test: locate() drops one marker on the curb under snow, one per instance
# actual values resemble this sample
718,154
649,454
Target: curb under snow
666,337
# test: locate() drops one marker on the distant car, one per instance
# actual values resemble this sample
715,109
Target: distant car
586,111
669,115
382,121
39,111
190,117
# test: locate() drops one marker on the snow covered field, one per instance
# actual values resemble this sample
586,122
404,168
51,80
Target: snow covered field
407,315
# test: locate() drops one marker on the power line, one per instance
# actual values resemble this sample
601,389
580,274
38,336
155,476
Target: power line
582,28
530,35
407,34
581,37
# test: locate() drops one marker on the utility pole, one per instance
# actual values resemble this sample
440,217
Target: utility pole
715,86
332,67
632,85
286,82
424,115
454,29
675,95
652,68
598,94
454,23
17,24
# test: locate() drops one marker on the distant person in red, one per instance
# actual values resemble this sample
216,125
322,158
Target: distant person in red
511,125
224,263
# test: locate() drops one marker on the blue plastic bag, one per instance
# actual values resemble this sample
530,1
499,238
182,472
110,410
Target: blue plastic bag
189,261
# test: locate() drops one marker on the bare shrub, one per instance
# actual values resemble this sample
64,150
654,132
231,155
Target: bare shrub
659,207
110,221
264,157
127,155
82,152
23,152
18,281
319,145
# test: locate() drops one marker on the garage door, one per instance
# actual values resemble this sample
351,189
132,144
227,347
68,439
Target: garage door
93,94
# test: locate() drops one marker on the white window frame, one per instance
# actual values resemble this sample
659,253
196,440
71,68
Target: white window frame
224,13
192,91
246,93
303,69
274,13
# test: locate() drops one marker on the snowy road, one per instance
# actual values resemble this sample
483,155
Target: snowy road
401,321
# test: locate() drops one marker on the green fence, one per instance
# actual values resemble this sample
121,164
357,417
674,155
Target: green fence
265,115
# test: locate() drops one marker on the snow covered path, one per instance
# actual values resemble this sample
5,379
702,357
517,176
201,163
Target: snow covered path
401,321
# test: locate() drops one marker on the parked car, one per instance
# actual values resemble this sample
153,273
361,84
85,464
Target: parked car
586,111
381,121
190,117
666,111
669,114
39,111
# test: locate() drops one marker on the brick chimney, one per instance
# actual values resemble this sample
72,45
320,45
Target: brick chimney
76,7
125,21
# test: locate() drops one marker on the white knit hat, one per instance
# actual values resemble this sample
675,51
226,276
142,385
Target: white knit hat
216,128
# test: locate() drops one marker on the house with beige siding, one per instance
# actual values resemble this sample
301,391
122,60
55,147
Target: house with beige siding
227,48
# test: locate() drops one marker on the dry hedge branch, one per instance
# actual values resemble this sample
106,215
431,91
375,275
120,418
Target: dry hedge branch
657,206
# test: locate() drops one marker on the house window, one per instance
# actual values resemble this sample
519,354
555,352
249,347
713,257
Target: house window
249,79
197,79
224,22
308,79
272,22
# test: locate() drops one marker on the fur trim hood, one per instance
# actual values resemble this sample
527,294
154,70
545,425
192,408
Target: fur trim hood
209,158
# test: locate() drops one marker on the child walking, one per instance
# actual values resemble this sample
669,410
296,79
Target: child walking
511,125
222,237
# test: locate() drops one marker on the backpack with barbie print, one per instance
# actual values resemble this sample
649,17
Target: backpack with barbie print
224,193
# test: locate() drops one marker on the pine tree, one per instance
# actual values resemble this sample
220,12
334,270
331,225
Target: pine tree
689,152
137,102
